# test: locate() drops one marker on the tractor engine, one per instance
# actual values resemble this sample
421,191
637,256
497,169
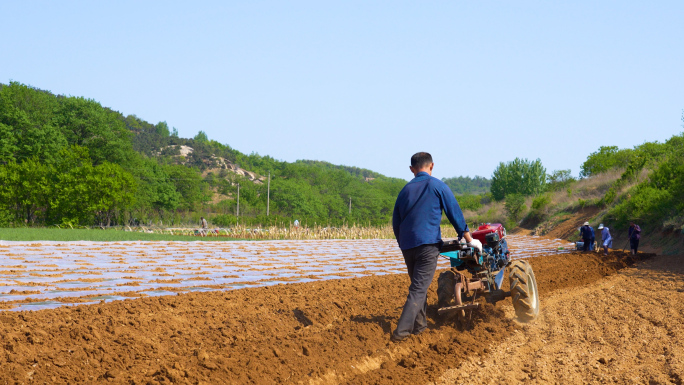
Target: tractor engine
494,245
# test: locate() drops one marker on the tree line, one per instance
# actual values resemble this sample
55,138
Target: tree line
466,185
70,161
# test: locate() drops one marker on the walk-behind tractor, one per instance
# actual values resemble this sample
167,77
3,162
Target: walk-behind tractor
457,292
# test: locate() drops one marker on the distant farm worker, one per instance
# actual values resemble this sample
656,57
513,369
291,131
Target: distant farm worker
634,237
606,239
205,226
586,234
415,221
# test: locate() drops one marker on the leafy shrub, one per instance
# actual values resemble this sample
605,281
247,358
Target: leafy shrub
540,202
558,180
224,220
469,202
610,196
515,206
538,210
606,158
644,203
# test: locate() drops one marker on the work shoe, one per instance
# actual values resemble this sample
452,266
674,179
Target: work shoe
394,338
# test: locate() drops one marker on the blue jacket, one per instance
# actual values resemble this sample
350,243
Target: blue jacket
587,232
605,234
418,212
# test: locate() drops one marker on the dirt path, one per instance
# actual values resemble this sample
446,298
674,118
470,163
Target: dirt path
626,328
310,333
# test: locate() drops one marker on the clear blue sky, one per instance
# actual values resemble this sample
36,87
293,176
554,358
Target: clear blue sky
366,83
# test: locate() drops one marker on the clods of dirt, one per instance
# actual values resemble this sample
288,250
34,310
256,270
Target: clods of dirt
334,331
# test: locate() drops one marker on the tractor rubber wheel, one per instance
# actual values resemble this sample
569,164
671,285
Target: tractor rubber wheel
524,291
445,288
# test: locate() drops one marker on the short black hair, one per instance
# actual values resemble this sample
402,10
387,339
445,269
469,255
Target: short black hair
420,160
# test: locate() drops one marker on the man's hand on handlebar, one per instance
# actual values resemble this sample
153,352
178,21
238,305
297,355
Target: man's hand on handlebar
474,243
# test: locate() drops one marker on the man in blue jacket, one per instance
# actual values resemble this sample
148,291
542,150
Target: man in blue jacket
586,233
416,223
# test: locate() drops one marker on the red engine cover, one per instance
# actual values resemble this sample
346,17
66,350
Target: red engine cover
483,230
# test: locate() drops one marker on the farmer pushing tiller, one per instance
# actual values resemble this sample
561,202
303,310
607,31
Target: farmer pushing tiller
416,223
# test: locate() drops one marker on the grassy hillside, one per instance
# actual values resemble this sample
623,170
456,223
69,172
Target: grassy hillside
644,184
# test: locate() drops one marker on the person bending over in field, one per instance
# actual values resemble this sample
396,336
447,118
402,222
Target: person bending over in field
416,224
606,239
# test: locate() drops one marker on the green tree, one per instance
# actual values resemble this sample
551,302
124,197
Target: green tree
162,129
25,189
519,176
85,194
7,144
201,137
86,123
188,183
166,197
26,124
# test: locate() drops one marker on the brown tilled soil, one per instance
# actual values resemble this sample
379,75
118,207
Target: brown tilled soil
332,332
627,328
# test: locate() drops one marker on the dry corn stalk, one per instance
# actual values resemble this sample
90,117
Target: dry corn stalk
303,233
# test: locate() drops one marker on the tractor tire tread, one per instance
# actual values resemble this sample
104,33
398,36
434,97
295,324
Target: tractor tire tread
445,288
524,292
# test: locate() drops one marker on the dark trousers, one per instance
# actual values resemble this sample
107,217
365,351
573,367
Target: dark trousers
421,263
634,244
587,243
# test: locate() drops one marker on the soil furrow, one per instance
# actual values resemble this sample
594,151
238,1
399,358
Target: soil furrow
626,329
333,331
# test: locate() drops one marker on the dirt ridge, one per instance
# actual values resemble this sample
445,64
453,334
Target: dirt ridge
334,331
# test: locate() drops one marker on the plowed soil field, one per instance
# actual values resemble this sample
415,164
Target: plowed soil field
601,321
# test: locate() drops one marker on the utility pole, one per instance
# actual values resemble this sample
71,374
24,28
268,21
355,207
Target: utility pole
238,202
268,196
349,205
